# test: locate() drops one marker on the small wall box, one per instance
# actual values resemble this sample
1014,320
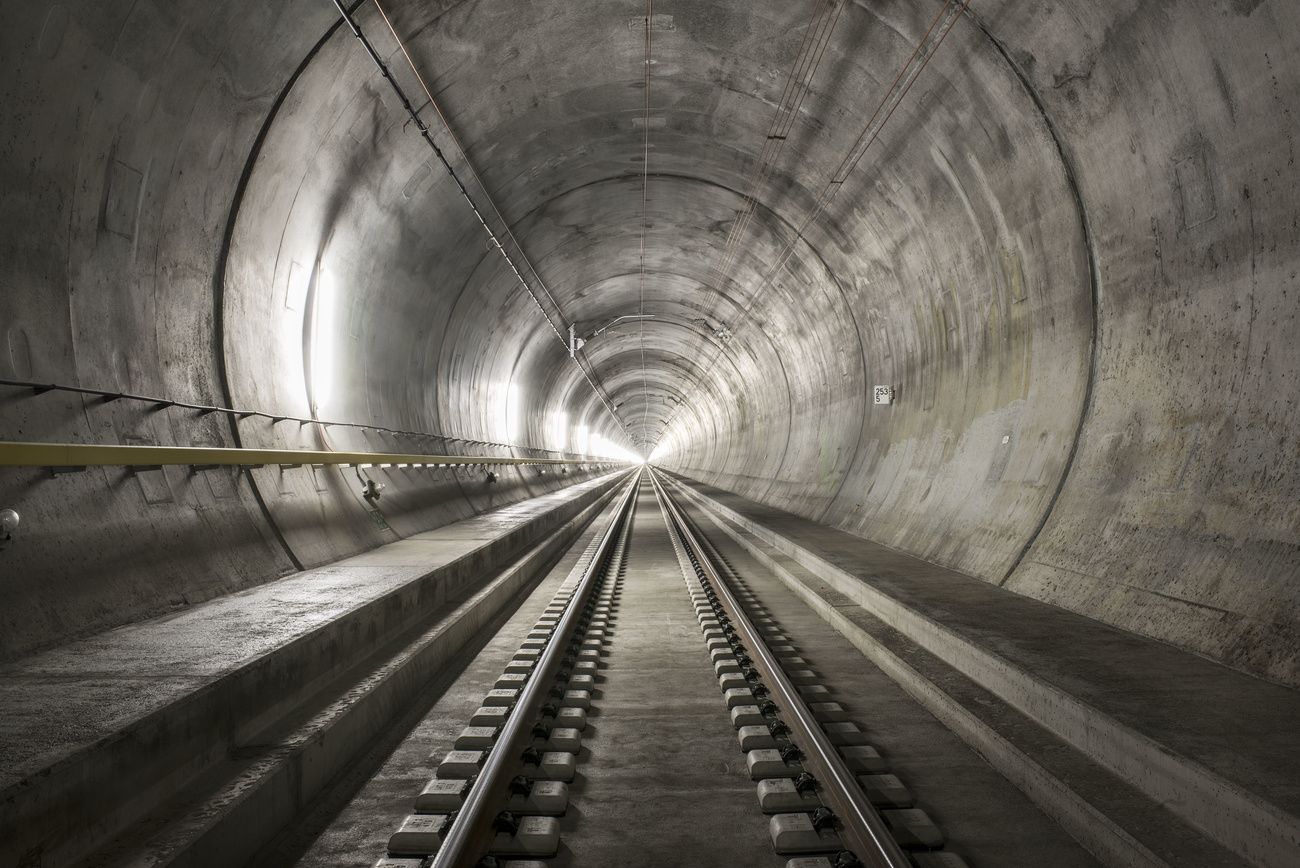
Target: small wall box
884,394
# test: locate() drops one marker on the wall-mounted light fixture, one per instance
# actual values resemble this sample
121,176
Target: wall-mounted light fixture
321,345
8,524
576,343
514,415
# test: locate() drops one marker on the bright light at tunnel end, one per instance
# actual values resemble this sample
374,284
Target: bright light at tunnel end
603,448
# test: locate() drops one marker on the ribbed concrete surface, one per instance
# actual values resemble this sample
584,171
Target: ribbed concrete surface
1071,253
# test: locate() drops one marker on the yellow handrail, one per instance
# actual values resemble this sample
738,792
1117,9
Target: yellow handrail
87,455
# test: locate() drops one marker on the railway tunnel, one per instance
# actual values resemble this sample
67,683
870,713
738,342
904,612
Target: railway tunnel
419,419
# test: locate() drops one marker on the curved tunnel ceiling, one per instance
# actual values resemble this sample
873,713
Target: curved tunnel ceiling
558,132
958,264
1069,255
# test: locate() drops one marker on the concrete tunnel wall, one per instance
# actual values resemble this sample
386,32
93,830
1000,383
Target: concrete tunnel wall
1072,253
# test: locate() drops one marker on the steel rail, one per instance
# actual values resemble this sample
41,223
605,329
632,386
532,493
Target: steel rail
471,833
862,829
88,455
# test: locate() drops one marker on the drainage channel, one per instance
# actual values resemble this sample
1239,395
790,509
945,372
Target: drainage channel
497,795
831,799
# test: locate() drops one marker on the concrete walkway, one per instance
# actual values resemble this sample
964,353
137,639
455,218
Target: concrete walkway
353,827
1166,720
984,818
116,721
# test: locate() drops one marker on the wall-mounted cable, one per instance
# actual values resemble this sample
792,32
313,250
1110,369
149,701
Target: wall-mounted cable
494,240
157,404
916,63
816,38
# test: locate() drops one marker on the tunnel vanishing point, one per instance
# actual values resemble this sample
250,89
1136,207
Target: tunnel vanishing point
983,315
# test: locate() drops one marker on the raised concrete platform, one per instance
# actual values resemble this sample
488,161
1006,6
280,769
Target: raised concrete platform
1160,737
96,734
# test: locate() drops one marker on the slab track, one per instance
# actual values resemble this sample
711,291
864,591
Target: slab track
661,778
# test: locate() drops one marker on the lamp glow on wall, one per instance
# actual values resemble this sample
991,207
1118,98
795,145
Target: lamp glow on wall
561,430
609,449
324,303
514,419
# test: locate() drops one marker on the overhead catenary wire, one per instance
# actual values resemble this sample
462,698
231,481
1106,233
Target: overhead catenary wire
493,239
456,141
645,188
564,321
935,34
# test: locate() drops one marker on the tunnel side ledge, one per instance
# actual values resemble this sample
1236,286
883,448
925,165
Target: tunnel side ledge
166,699
1123,736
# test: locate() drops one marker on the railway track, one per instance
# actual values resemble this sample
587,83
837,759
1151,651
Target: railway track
521,783
637,670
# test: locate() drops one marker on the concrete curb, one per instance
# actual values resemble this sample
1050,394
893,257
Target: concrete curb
1092,829
121,777
1236,818
252,808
